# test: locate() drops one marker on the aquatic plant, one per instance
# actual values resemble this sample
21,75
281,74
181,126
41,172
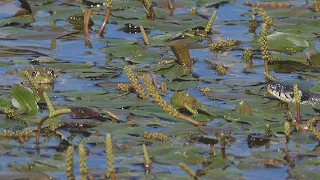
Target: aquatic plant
297,99
69,163
144,35
163,104
109,150
210,22
147,162
264,46
83,162
155,124
247,57
135,83
188,170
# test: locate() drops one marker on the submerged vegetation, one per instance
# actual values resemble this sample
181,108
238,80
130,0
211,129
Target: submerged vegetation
178,85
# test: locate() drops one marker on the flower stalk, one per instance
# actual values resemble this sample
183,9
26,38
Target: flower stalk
144,35
135,83
83,163
163,104
110,172
69,163
186,168
147,162
297,100
210,22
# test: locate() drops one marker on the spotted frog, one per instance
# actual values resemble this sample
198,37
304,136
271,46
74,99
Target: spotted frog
186,100
41,75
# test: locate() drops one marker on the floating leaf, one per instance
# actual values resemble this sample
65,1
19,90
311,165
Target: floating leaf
315,60
280,41
11,175
244,108
305,173
210,3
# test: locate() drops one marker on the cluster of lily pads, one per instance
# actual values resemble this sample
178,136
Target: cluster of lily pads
167,83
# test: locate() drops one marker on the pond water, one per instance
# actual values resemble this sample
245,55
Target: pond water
92,66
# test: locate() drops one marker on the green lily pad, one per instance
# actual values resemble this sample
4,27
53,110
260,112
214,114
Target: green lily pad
210,3
304,173
280,41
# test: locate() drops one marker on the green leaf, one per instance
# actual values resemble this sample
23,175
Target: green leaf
24,99
280,41
209,3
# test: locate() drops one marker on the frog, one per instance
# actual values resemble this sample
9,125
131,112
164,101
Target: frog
45,77
41,75
183,99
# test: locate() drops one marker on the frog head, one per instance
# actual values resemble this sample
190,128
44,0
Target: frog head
40,74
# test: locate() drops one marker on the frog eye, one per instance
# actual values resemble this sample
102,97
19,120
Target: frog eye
34,73
52,72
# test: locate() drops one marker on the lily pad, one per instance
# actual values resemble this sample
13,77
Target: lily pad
280,41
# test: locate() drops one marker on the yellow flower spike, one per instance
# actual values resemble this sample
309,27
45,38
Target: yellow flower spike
316,6
247,57
147,162
135,83
223,44
297,98
267,131
83,162
223,145
123,87
58,112
148,3
109,3
158,99
311,127
110,171
269,77
210,22
296,94
156,136
163,104
69,163
144,35
287,131
11,113
186,168
266,18
48,102
221,70
273,58
16,134
264,46
193,11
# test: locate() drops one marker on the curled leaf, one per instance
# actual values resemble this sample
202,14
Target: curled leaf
244,108
24,99
182,54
